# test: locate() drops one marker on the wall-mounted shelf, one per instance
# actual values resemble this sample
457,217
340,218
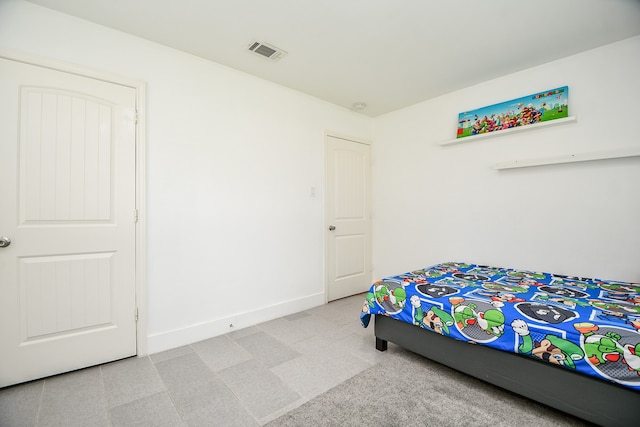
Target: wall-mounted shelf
569,158
571,119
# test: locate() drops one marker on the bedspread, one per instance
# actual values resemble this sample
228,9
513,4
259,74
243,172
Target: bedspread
587,325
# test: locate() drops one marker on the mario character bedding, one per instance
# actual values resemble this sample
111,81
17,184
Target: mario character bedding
587,325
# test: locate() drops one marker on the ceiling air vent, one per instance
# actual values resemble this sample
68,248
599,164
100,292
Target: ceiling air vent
268,51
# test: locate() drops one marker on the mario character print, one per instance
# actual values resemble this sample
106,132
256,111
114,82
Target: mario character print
390,295
546,313
431,317
477,320
546,346
436,290
613,352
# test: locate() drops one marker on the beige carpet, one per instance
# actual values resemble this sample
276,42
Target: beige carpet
408,390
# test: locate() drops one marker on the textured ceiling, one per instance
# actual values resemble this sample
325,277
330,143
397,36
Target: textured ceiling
387,53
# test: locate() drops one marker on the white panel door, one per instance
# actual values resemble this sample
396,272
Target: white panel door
348,207
67,203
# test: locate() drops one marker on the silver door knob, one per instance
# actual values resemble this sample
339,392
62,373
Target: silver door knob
332,227
4,242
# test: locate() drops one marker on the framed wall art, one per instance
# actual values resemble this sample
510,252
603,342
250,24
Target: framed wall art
528,110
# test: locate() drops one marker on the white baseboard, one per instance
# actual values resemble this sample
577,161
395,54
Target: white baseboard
202,331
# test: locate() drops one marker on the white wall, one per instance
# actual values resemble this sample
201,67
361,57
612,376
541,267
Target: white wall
233,234
437,203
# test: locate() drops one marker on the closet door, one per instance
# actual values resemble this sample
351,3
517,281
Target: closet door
67,222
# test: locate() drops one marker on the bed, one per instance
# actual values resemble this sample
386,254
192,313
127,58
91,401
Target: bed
572,343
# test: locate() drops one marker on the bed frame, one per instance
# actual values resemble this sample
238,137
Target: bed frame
592,399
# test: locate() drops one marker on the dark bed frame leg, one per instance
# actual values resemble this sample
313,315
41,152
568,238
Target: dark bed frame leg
381,345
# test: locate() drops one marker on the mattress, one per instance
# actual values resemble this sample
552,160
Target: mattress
587,325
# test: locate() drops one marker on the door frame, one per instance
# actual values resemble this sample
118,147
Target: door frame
327,135
140,174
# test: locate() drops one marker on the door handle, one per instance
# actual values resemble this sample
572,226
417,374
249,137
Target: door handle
4,242
332,227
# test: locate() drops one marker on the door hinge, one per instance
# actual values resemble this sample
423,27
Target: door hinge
136,314
135,215
136,116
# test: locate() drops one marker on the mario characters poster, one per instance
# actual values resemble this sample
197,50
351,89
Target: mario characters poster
528,110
